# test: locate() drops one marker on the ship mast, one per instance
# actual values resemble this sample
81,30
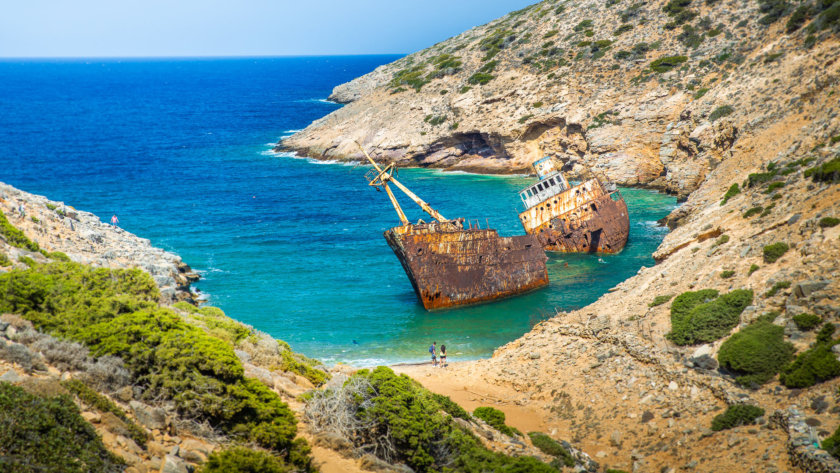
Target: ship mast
385,176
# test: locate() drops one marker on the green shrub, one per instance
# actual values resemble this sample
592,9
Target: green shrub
733,190
101,403
480,78
832,444
405,413
756,353
736,415
243,460
775,251
727,274
799,17
721,112
551,447
828,222
496,419
753,268
806,322
772,10
817,364
583,25
776,288
15,237
697,95
825,172
525,118
464,89
703,316
450,407
413,77
622,29
659,300
773,186
4,260
722,240
550,34
665,64
114,312
48,434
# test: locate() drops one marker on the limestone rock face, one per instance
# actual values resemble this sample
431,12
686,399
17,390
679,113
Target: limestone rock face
576,81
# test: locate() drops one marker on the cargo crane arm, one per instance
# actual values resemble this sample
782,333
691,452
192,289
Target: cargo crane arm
385,176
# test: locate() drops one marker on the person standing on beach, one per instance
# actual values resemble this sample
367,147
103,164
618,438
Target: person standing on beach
433,351
442,356
114,220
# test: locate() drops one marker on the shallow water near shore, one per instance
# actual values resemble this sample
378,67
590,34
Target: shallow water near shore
180,150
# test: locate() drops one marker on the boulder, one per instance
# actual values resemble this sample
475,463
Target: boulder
150,417
173,464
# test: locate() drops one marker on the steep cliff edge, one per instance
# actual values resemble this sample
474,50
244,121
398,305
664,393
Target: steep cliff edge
652,94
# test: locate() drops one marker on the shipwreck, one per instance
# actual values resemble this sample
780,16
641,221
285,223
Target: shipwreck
588,217
450,264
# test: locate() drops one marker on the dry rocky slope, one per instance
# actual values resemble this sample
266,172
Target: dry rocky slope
578,79
756,91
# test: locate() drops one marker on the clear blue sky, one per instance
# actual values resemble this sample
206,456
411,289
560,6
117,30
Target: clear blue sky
80,28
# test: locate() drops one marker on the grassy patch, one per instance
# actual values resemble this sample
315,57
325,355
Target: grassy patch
665,64
753,211
756,353
243,460
733,190
826,172
704,316
775,251
815,365
551,447
753,268
736,415
721,112
15,237
776,288
727,274
659,300
828,222
49,434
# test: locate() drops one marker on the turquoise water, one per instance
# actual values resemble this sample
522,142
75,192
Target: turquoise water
180,149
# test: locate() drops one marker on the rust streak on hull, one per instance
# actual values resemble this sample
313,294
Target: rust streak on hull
450,266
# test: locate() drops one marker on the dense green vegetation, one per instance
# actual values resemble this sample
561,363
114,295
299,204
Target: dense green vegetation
806,322
496,419
815,365
450,407
48,434
727,274
549,446
775,251
736,415
753,211
704,316
402,414
14,236
756,353
721,112
114,312
243,460
665,64
101,403
828,222
832,444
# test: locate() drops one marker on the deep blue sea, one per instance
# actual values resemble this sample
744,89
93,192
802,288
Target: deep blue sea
180,149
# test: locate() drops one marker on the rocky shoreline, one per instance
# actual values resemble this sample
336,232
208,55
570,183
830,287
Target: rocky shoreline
84,238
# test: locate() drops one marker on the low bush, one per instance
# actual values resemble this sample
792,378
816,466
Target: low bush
828,222
832,444
806,322
450,407
772,10
721,112
775,251
704,316
736,415
49,434
799,17
828,171
14,236
551,447
480,78
115,312
773,186
776,288
756,353
733,190
699,94
727,274
815,365
659,300
4,260
623,29
722,240
665,64
394,418
243,460
753,268
496,419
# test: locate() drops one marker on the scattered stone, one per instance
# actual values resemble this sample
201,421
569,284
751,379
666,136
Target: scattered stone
150,417
11,376
173,464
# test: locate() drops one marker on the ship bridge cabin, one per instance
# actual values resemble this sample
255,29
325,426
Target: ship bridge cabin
551,183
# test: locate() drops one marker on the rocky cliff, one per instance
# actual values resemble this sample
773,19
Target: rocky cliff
650,93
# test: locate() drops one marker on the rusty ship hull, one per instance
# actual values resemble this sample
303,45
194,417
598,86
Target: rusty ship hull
451,266
582,219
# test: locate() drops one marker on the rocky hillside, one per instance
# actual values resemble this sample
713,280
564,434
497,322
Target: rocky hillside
651,93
